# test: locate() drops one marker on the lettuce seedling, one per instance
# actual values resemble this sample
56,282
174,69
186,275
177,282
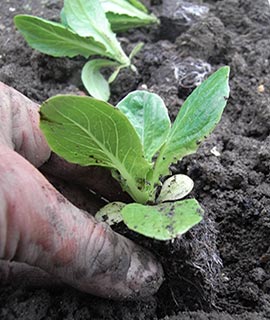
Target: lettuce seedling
137,142
85,30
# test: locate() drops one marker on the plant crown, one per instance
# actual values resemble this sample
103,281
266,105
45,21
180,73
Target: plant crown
137,142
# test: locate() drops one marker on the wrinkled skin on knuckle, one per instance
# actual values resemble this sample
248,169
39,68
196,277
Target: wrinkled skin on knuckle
119,268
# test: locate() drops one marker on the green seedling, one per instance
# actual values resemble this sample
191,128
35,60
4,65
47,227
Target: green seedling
86,29
138,143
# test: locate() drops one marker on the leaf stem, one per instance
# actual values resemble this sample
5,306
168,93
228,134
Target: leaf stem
140,196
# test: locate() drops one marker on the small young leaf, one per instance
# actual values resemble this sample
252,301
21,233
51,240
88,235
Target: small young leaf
87,131
111,213
175,188
138,5
93,80
55,39
164,221
136,50
88,19
114,75
149,116
123,15
197,118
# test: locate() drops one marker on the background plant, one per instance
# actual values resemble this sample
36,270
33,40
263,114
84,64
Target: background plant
86,29
137,142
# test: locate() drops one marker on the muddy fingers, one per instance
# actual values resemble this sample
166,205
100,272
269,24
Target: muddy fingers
42,229
19,126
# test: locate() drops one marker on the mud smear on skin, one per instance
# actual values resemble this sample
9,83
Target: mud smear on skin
232,187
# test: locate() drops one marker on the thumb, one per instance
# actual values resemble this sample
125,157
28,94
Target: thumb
41,228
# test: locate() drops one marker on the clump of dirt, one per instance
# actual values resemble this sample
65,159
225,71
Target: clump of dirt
221,268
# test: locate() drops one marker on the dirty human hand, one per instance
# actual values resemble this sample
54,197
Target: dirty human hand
42,234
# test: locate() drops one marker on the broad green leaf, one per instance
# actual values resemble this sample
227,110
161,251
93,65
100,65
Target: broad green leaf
88,19
175,188
149,116
164,221
88,131
197,118
123,15
55,39
94,81
111,213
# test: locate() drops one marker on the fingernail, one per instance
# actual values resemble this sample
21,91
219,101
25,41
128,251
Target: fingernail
145,274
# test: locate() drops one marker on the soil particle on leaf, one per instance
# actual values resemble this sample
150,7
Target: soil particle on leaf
221,268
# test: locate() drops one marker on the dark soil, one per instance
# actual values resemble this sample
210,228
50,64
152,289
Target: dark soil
221,269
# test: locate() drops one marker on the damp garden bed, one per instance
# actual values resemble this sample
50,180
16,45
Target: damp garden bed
221,268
